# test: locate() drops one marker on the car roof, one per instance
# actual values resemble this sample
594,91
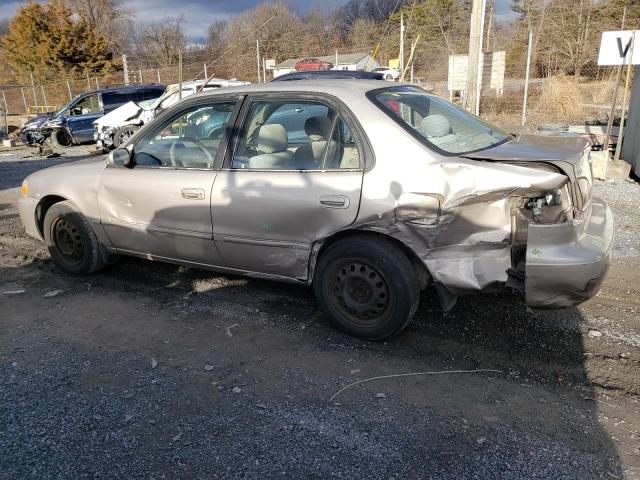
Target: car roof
336,87
135,86
329,74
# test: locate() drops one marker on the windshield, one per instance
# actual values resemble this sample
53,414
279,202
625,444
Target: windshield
65,106
436,122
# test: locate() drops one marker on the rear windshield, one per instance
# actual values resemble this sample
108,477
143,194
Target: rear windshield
436,122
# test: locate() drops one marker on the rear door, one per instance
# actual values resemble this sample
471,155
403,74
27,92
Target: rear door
277,192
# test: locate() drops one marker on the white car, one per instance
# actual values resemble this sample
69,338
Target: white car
115,128
389,73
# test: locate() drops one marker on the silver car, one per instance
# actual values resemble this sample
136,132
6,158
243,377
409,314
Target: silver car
369,193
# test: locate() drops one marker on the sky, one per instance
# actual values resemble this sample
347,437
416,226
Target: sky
199,14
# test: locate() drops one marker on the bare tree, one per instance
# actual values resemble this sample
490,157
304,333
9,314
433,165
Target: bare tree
164,38
216,36
109,18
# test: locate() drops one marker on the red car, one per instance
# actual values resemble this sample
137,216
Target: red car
310,64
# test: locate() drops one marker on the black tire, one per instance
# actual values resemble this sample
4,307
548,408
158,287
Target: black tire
366,287
123,134
71,240
61,139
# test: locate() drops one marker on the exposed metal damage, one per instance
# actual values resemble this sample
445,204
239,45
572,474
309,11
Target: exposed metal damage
504,228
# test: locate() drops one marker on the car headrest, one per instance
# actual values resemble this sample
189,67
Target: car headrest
317,128
435,125
272,138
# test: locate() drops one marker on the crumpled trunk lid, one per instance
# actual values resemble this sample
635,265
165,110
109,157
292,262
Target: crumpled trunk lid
562,152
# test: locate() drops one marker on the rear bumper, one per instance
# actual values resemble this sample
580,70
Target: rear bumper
27,211
567,263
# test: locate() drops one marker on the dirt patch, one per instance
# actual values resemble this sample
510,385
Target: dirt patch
148,369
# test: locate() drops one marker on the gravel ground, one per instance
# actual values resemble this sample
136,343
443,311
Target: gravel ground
148,370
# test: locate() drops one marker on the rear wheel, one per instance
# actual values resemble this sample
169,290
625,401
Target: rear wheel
71,240
367,287
123,134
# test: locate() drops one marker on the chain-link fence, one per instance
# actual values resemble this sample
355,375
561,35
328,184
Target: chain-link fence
584,97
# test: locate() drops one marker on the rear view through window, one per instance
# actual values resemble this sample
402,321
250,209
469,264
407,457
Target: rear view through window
436,122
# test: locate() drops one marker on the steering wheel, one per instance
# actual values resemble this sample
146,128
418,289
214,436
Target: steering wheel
183,141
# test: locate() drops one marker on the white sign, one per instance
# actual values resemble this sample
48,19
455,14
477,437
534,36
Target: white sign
270,64
615,48
492,66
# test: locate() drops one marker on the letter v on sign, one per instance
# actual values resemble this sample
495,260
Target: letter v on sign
617,46
623,51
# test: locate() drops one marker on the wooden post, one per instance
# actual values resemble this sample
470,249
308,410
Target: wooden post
24,99
44,95
33,89
523,120
158,72
612,113
88,81
616,157
6,114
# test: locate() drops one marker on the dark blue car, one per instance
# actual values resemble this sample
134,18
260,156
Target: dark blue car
73,123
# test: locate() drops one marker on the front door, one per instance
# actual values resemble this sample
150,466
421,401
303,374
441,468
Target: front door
160,207
80,117
294,176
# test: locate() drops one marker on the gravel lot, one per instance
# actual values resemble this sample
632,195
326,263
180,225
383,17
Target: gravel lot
148,370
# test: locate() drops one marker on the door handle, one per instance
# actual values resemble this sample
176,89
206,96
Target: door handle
193,193
334,201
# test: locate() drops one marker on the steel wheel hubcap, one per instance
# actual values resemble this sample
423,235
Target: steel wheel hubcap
361,290
68,240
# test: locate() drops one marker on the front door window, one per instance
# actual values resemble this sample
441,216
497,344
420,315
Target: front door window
189,141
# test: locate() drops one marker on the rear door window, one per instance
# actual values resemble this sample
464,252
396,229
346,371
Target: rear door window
295,135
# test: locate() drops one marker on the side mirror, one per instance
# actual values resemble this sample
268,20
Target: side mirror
120,157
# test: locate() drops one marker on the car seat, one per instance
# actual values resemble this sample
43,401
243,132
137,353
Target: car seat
272,144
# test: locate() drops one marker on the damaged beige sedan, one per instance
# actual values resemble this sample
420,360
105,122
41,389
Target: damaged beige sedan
368,194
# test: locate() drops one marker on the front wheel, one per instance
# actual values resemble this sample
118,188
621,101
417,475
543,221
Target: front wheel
71,240
367,287
122,134
60,138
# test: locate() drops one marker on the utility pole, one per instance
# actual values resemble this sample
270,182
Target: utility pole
476,31
158,72
125,69
526,80
258,57
69,89
33,89
401,59
97,84
140,74
336,65
206,76
180,74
